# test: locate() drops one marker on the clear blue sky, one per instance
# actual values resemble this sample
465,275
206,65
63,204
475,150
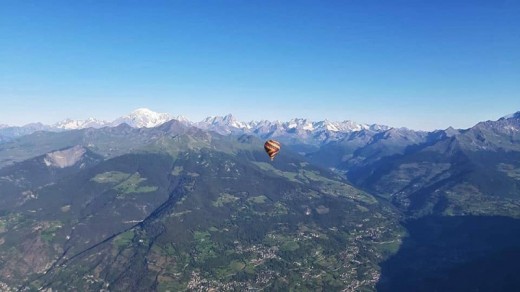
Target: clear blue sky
419,64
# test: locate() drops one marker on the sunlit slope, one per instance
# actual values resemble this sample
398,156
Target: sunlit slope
474,171
189,209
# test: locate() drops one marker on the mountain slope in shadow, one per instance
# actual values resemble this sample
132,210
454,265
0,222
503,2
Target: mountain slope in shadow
459,253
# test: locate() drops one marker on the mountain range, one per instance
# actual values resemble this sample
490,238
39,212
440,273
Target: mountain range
302,129
149,202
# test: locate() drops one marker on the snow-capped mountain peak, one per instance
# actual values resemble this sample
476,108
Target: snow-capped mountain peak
139,118
182,118
225,121
70,124
325,125
300,124
143,118
144,111
328,125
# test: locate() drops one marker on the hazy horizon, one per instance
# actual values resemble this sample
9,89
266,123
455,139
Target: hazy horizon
111,119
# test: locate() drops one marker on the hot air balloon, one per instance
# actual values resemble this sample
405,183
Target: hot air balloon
272,148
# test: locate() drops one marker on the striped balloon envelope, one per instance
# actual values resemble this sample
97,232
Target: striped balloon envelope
272,148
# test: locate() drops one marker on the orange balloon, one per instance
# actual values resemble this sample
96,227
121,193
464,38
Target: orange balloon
272,148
